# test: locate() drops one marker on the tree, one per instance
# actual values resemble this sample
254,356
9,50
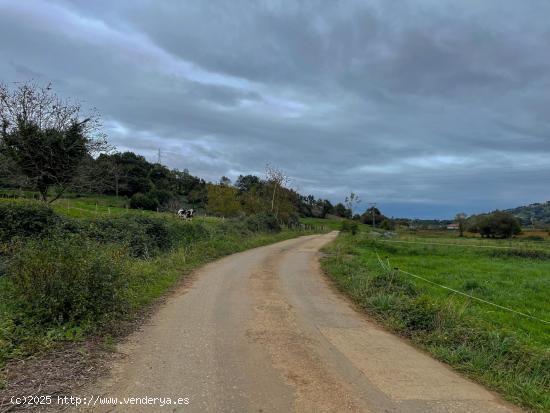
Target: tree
277,179
225,181
369,214
246,183
45,136
222,200
349,226
112,173
341,211
461,221
10,174
497,224
351,201
328,208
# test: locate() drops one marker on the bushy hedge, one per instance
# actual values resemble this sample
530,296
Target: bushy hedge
69,279
144,201
144,236
262,223
349,226
26,220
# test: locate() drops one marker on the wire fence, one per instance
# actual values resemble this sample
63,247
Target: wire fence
386,266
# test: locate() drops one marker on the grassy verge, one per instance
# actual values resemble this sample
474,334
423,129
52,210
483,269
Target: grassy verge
506,352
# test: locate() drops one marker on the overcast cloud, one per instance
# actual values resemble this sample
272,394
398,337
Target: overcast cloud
426,107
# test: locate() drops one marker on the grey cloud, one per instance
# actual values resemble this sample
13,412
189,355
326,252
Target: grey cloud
426,107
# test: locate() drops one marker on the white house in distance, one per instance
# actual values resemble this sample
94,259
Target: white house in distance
453,226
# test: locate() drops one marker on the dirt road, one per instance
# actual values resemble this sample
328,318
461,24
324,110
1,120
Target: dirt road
263,331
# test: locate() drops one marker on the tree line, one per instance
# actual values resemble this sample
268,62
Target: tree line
48,145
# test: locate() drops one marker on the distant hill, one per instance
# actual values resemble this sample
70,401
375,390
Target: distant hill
538,213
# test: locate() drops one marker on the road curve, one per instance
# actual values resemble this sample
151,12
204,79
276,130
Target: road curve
264,331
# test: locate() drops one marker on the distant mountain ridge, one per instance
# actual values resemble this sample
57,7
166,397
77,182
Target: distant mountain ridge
537,214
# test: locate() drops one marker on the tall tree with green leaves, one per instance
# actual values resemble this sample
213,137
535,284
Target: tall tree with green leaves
46,137
222,200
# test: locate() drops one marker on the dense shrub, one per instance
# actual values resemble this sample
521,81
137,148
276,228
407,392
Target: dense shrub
69,279
144,201
420,314
187,232
349,226
495,225
144,236
161,196
263,222
26,219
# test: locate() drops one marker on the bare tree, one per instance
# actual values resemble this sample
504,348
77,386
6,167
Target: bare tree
278,179
45,136
351,201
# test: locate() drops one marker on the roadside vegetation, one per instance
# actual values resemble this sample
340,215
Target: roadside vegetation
504,350
63,278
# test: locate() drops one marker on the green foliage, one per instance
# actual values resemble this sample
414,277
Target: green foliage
262,222
341,211
367,216
143,236
495,225
43,136
223,201
69,279
144,201
349,226
26,219
333,224
387,225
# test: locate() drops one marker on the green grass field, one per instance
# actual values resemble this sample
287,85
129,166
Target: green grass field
507,351
330,223
333,224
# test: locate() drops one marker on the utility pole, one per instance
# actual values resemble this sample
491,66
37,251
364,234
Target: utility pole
159,157
373,205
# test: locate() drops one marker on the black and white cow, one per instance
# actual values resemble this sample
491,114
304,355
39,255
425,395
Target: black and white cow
186,214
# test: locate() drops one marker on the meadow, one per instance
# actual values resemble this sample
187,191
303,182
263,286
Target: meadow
507,351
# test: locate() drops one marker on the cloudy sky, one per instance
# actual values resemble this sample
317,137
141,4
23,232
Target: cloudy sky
426,107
